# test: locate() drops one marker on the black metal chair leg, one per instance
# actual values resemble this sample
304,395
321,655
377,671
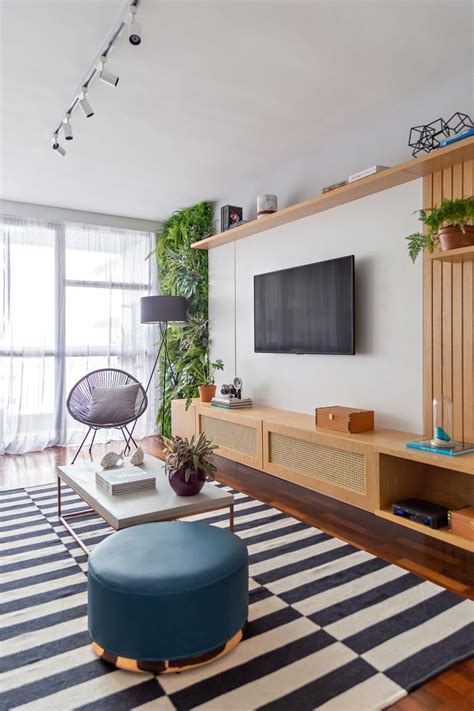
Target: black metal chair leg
127,445
82,444
130,436
91,444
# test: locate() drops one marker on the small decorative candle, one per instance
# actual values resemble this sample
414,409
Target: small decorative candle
266,205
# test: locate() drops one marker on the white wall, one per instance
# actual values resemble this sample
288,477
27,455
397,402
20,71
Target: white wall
386,373
382,141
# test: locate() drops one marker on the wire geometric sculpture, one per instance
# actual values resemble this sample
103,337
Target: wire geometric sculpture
79,403
427,138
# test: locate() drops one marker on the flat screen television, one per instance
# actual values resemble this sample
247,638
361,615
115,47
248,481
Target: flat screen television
308,309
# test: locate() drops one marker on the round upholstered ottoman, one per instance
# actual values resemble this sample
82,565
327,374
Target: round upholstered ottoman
165,597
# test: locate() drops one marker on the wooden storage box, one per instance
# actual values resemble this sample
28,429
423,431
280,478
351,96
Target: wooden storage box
344,419
461,522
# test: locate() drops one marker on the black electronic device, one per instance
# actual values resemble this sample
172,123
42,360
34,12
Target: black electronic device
421,511
307,309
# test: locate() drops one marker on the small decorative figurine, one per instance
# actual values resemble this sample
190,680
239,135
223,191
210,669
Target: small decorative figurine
111,459
427,138
443,423
137,457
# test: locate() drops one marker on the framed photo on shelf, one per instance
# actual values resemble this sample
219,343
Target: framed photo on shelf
230,216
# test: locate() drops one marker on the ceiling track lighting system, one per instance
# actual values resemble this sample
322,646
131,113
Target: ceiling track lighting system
98,69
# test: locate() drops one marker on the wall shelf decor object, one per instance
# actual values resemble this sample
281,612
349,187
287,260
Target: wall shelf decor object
430,136
436,161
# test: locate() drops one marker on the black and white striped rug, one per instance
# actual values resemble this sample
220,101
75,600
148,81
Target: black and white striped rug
331,626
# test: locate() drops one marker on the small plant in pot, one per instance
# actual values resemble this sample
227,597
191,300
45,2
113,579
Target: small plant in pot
448,227
188,463
205,373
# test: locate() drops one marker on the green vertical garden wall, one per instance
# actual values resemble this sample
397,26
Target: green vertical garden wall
183,271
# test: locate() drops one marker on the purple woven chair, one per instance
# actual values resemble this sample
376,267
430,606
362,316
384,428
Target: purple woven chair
79,403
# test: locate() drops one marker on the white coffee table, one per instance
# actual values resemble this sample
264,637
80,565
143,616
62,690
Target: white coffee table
160,504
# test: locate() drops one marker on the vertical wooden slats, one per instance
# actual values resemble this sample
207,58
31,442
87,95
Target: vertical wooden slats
449,315
437,303
447,306
468,320
457,324
428,320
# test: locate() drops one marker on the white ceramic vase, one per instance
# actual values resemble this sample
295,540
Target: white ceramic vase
266,205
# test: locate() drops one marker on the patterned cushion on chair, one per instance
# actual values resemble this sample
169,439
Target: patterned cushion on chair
113,404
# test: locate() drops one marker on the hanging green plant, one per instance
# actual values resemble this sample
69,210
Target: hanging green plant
183,271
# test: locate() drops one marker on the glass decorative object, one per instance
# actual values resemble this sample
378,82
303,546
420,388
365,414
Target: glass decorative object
443,423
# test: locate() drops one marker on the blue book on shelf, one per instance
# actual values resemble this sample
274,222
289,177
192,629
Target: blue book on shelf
459,137
426,446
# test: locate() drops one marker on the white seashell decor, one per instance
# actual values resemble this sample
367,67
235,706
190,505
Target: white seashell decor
110,459
137,457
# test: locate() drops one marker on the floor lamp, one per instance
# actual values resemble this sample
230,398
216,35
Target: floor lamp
162,310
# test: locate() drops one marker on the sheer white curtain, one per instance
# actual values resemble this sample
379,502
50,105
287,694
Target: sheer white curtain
71,304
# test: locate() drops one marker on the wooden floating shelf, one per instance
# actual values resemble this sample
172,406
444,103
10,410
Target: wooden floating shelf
442,534
463,254
403,173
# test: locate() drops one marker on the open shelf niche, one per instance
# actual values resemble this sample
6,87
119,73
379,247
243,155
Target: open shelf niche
401,478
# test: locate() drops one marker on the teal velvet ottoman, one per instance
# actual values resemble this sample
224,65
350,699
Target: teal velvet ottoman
165,597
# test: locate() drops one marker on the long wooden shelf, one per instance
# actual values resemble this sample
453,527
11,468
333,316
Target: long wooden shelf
403,173
463,254
442,534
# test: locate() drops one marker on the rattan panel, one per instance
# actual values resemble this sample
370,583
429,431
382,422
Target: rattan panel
339,467
230,435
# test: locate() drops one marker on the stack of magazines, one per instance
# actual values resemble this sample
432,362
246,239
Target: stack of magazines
124,480
231,403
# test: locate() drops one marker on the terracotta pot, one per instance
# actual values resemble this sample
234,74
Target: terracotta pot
452,237
182,487
207,392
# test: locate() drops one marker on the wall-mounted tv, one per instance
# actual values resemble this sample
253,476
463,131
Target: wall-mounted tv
308,309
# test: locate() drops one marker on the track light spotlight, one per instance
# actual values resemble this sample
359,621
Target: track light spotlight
84,104
56,146
134,30
105,75
67,128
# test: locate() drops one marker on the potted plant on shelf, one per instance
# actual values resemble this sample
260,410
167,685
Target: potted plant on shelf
448,227
205,372
188,464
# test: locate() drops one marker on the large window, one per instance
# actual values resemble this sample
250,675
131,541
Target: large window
70,303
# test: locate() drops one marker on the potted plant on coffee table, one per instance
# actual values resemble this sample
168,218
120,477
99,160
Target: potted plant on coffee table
205,373
448,227
188,463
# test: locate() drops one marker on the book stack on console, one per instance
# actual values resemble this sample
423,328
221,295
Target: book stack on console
231,403
124,480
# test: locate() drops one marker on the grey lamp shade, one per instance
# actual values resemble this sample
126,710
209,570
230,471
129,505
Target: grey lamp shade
161,309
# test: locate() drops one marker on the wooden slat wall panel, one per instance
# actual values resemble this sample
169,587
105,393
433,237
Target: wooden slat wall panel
449,315
437,291
468,320
457,326
428,319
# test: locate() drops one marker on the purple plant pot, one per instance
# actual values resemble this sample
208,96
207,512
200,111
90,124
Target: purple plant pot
187,488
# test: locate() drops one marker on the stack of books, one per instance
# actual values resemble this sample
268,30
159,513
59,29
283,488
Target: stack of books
365,173
124,480
231,403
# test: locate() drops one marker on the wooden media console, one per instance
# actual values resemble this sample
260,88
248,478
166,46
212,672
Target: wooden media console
369,470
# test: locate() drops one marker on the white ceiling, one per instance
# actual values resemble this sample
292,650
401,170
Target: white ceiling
218,91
